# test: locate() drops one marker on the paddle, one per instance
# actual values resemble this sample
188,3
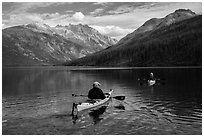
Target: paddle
74,95
115,97
119,97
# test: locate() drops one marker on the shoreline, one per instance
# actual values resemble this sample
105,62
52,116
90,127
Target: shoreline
93,67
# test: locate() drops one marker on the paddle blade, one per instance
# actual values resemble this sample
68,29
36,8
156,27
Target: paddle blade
119,97
74,95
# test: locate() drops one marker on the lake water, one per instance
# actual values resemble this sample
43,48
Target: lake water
39,101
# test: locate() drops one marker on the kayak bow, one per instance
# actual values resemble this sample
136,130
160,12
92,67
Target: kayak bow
151,82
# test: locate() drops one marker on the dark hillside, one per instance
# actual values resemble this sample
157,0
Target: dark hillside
179,44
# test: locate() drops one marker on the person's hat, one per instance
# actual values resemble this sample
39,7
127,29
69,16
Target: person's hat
96,84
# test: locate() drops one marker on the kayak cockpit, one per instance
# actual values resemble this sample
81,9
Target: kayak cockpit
77,107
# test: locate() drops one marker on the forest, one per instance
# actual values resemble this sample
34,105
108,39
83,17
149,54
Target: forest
179,44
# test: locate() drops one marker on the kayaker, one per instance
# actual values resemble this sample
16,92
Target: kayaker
152,76
96,92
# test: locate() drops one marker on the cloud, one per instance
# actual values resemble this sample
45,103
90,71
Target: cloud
20,19
113,31
78,16
3,25
96,12
23,7
127,20
122,9
69,11
19,13
49,15
52,19
103,3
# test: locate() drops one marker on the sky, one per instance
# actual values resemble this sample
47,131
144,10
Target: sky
114,19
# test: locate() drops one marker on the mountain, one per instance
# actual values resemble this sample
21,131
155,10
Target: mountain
175,40
156,23
40,44
85,35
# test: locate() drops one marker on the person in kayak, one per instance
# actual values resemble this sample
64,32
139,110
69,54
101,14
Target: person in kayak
152,76
96,92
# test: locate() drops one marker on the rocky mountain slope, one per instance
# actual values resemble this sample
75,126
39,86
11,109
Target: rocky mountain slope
156,23
175,40
85,35
40,44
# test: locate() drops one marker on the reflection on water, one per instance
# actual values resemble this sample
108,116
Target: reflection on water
43,97
21,82
120,106
95,114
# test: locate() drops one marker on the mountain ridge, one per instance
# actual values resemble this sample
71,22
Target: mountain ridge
177,44
22,43
156,23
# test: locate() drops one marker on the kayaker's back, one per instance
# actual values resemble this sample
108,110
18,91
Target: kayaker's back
96,93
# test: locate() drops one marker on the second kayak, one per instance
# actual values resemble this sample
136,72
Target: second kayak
151,82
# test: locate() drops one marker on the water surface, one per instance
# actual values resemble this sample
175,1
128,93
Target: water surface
39,101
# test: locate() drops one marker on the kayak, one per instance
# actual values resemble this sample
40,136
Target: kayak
151,82
90,103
